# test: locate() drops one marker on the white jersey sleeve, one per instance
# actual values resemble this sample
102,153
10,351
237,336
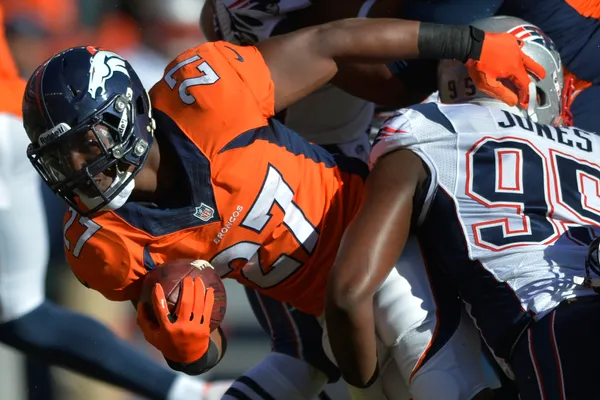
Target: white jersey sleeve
253,21
412,129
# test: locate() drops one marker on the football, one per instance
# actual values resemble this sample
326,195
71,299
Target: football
170,276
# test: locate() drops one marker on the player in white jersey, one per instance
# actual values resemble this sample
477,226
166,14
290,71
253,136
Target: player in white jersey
504,202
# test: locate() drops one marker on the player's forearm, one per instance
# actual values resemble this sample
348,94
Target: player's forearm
385,40
302,61
352,338
375,83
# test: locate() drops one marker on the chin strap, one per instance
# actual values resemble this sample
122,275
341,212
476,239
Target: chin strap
532,102
566,116
118,201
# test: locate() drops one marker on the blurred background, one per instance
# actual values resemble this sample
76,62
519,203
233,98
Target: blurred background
149,33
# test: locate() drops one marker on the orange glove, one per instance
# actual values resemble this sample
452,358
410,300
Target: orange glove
502,58
187,338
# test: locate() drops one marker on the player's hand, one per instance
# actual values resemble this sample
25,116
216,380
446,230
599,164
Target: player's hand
187,338
502,58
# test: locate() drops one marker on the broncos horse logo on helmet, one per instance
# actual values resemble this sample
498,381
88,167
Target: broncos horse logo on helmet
103,64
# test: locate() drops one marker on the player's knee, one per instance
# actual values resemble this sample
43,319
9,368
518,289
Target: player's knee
32,326
278,376
18,302
454,371
300,340
445,387
450,382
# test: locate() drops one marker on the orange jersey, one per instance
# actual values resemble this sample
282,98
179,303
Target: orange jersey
264,206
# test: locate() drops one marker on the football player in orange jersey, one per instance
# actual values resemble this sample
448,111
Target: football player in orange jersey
198,173
31,323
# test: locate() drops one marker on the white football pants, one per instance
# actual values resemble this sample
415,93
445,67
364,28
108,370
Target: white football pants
23,235
435,358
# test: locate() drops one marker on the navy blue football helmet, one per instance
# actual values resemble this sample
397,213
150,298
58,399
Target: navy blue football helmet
76,92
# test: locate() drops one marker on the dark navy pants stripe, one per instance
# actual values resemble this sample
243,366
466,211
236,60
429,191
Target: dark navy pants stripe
256,388
276,321
292,332
557,358
236,394
537,360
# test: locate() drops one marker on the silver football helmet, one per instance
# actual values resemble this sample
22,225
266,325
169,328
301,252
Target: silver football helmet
455,85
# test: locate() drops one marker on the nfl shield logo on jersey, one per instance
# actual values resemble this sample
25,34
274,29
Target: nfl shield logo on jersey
204,212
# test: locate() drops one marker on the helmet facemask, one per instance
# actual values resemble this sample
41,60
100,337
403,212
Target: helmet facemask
111,150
